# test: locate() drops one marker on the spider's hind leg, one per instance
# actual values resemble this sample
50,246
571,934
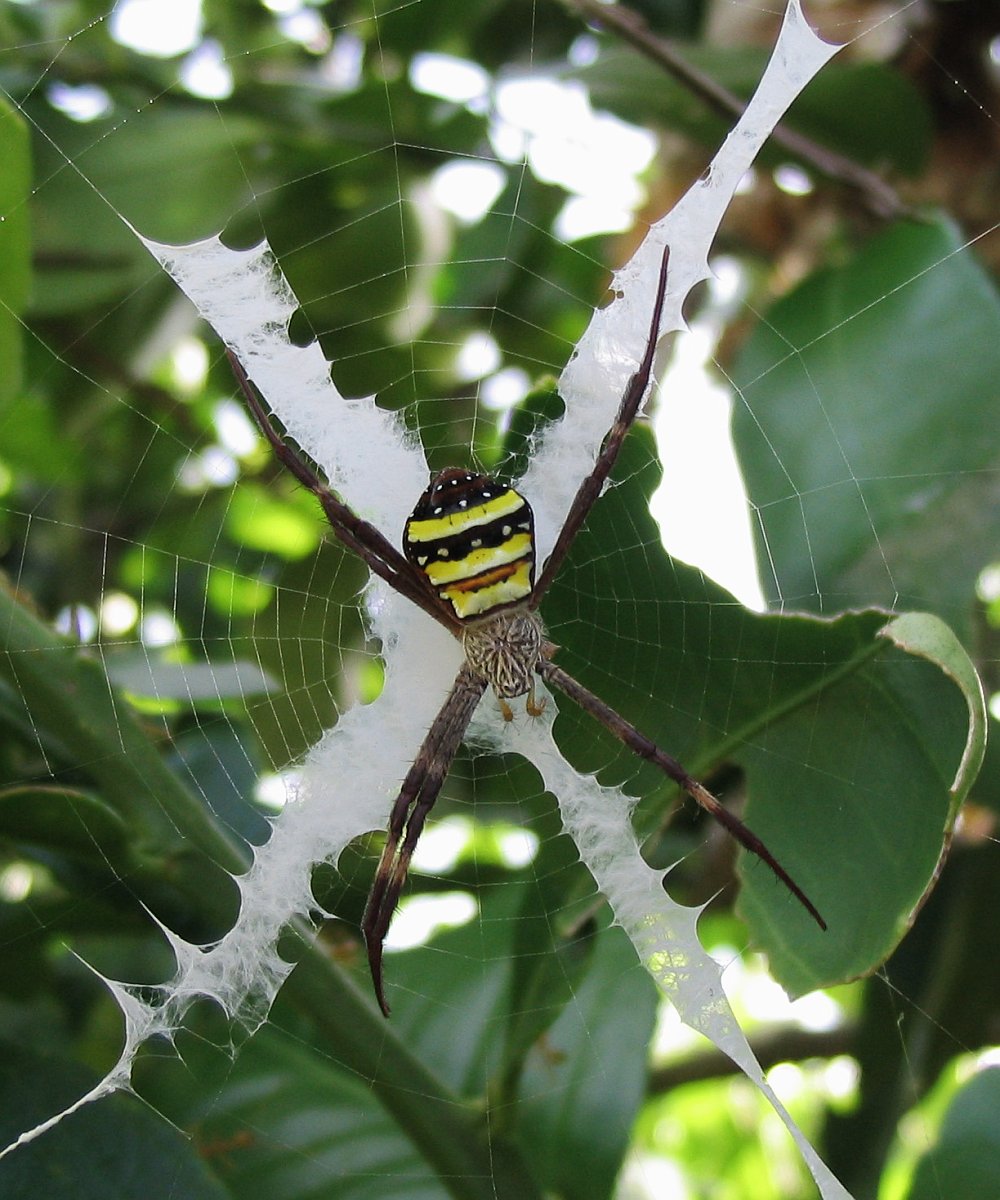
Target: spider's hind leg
639,744
406,822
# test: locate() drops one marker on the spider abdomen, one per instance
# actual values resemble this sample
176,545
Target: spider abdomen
474,539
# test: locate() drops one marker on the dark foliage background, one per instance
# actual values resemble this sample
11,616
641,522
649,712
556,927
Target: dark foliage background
865,361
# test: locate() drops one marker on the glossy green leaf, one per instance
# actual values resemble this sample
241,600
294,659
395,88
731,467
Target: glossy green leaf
116,1147
584,1081
866,773
576,1067
855,752
964,1164
283,1122
859,425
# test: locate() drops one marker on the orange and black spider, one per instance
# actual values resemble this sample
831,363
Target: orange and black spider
469,562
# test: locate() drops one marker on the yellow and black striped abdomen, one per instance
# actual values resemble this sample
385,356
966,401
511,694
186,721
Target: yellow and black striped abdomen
474,539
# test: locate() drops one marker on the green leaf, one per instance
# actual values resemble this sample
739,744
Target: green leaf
551,953
66,819
65,692
216,758
858,736
235,594
66,689
577,1065
175,174
471,966
306,640
584,1082
114,1147
965,1162
15,244
540,407
865,773
283,1122
864,396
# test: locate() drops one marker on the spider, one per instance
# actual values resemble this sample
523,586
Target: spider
469,562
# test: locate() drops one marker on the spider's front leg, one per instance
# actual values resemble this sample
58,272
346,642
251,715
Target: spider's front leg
358,535
406,822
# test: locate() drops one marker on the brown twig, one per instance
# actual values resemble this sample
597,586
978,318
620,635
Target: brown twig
784,1044
879,196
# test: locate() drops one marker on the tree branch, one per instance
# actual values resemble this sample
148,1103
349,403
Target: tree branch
878,195
784,1044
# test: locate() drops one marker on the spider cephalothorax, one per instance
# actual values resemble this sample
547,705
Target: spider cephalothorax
505,649
469,563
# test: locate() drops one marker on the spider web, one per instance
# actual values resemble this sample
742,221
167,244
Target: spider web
417,667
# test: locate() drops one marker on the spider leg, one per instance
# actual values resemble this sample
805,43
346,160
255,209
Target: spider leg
639,744
590,489
358,535
406,821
